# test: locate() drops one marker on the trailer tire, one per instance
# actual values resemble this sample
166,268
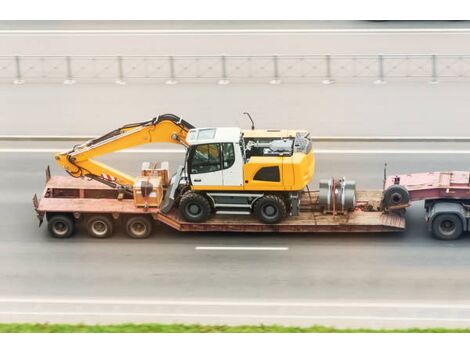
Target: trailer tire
194,207
447,227
270,209
396,195
139,227
61,226
99,226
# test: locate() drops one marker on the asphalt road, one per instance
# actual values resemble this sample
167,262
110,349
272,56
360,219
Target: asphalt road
346,280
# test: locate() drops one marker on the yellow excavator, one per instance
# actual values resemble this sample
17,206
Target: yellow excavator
226,170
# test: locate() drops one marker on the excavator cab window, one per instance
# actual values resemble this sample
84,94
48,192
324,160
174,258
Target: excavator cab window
205,158
228,154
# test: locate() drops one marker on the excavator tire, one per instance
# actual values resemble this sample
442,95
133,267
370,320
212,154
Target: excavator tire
270,209
194,207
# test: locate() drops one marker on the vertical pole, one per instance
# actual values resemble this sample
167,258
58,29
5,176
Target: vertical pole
224,79
120,79
434,69
385,176
171,63
19,78
276,79
69,79
381,78
328,79
224,67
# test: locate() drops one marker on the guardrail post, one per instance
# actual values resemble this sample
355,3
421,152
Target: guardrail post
381,77
69,79
18,79
434,69
172,80
276,79
328,79
120,72
223,80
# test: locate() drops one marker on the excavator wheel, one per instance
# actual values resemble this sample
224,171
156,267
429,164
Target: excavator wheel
270,209
194,207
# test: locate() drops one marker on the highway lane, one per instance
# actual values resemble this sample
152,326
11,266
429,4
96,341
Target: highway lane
376,280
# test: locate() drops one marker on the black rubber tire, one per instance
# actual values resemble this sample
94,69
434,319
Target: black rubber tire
270,209
396,195
139,227
99,226
447,227
194,207
61,226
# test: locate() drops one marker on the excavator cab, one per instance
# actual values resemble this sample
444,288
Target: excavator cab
215,159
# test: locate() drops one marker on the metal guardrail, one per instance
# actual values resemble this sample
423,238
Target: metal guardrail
225,69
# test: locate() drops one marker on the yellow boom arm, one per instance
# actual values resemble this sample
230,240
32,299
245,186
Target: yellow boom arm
78,161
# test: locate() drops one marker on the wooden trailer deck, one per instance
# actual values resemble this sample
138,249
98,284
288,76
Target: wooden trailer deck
80,196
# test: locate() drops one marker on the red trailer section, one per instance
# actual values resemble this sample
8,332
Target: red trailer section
446,195
433,185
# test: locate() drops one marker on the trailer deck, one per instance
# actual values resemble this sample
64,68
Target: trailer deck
433,185
64,194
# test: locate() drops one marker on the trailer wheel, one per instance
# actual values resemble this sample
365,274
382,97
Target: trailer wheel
99,226
447,227
60,226
194,207
270,209
139,227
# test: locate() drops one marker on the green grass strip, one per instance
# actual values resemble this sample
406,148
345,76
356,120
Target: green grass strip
187,328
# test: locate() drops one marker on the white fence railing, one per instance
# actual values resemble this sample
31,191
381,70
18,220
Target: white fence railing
225,69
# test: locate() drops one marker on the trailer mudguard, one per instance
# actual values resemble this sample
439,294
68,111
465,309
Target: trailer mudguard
446,207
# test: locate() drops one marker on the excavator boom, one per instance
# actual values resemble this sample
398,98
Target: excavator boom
78,161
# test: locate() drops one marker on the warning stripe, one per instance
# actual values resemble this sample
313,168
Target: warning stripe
108,177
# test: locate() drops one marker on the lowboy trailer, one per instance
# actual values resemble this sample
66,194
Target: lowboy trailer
67,201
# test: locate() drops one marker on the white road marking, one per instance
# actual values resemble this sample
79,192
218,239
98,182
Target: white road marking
100,32
316,151
251,316
201,248
317,304
391,151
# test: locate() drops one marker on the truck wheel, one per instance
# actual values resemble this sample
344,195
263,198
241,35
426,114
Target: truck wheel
396,195
447,227
61,226
139,227
194,207
99,226
270,209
